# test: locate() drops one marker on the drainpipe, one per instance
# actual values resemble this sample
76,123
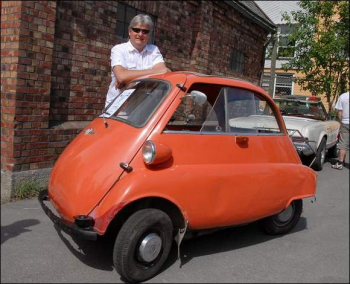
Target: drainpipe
264,55
273,66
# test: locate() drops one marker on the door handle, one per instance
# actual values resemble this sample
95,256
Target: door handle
241,139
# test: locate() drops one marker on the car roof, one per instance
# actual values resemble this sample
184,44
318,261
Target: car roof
196,77
188,74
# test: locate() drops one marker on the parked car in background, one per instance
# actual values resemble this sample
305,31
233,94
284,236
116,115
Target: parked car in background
312,130
173,155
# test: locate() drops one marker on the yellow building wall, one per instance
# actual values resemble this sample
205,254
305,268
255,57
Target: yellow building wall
296,87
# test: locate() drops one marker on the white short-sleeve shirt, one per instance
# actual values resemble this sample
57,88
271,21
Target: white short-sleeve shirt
343,105
126,55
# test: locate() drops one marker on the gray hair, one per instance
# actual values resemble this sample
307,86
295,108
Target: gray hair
142,19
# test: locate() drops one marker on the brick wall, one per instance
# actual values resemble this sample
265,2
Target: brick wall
85,33
10,25
56,68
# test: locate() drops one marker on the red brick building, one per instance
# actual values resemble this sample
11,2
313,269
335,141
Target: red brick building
55,64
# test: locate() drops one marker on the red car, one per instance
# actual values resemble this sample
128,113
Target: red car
174,154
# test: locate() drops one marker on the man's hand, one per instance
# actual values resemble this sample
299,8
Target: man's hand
119,85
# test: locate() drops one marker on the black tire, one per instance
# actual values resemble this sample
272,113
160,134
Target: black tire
131,260
285,221
320,156
333,152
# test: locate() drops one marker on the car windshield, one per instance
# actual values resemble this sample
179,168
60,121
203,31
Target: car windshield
300,108
137,103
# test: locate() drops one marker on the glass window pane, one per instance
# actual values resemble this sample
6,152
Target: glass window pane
284,29
248,113
189,116
234,55
121,12
237,61
124,15
126,30
130,13
120,29
197,117
285,52
283,41
139,103
216,117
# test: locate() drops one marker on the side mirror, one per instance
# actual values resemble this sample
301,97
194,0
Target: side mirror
198,97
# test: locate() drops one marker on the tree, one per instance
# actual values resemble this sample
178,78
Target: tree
321,52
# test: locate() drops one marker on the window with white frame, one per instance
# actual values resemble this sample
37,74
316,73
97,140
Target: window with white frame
284,84
285,46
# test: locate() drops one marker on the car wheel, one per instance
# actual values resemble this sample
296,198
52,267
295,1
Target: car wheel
333,152
142,245
285,221
320,156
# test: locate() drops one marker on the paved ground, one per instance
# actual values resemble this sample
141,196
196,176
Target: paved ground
316,251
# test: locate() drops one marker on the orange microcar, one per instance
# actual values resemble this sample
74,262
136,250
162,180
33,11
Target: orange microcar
174,154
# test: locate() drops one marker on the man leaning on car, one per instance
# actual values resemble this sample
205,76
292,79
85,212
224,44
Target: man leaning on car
342,106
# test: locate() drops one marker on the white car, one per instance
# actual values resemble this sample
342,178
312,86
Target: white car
308,124
312,131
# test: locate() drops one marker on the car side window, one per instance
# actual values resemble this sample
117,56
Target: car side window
249,113
190,116
227,110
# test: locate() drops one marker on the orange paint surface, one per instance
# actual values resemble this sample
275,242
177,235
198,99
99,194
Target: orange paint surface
214,180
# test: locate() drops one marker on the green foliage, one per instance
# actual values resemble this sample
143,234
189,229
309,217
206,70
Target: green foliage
27,188
321,53
333,115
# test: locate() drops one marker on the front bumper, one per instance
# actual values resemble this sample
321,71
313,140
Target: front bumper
68,227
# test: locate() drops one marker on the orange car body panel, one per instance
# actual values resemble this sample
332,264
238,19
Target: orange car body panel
215,180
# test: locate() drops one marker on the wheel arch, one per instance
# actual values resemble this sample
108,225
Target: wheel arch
171,209
298,197
323,135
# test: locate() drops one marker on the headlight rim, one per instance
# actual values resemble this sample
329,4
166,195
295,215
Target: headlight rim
152,146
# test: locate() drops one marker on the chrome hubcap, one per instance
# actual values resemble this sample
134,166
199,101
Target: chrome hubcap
323,156
286,214
150,247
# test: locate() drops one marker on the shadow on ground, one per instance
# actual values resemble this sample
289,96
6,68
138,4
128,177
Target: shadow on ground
229,239
16,229
99,254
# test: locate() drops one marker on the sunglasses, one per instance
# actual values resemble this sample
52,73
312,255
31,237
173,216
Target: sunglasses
137,30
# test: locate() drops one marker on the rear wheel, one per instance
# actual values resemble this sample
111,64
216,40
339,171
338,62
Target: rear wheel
285,221
142,245
320,156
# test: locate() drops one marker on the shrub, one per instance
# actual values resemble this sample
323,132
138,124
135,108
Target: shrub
27,188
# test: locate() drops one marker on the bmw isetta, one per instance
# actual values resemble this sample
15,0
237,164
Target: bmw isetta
177,153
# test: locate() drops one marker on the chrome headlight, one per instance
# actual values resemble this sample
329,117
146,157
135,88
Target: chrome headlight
149,152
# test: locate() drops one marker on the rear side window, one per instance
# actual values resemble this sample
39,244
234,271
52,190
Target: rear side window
228,110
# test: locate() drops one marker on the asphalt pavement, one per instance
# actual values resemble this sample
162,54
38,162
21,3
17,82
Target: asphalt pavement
33,250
